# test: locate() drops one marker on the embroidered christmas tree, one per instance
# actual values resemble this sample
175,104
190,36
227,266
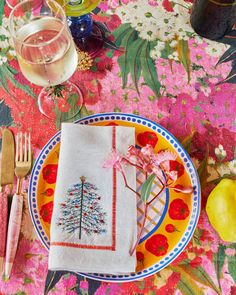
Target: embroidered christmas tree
81,211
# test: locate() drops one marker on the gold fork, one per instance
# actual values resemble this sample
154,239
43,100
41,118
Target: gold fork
22,167
22,159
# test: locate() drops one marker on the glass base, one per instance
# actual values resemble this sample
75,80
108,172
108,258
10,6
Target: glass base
61,102
93,43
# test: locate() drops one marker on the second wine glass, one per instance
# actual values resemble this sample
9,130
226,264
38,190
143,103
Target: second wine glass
47,55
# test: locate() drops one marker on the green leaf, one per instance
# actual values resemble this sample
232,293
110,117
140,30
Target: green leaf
9,73
3,80
229,54
149,69
1,11
200,275
184,55
147,188
134,61
232,267
120,32
12,70
128,39
109,44
25,88
219,259
186,283
167,50
235,153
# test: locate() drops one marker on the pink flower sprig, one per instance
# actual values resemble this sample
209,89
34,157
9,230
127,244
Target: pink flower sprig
162,166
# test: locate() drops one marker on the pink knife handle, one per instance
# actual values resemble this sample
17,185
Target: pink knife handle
14,229
3,222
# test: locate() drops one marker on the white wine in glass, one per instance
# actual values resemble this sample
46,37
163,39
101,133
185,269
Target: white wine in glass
46,53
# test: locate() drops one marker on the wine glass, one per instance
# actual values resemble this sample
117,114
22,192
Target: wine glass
47,55
86,33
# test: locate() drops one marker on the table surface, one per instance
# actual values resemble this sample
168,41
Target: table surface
176,86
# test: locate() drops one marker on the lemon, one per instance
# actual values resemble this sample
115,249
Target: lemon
221,209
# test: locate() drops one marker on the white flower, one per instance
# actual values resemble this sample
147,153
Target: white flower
160,45
173,43
174,56
155,54
4,44
198,39
211,161
5,22
12,52
232,166
220,152
223,169
157,23
215,48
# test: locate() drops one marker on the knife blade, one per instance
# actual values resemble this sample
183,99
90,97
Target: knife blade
8,160
6,179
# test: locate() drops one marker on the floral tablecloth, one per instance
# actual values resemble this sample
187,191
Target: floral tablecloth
164,72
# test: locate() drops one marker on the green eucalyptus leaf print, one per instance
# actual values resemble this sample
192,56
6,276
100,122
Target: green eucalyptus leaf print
232,267
120,32
135,61
149,69
219,259
186,283
184,55
1,11
200,275
136,58
230,54
126,42
8,73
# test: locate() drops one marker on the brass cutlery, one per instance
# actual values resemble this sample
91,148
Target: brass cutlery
6,180
22,167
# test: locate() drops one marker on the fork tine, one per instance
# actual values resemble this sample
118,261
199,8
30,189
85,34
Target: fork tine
25,147
17,147
21,147
29,148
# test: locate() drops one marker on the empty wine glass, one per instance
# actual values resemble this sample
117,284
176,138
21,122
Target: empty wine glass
47,55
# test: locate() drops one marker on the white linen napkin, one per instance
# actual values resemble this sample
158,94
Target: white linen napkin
94,222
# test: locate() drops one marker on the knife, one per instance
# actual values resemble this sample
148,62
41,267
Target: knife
6,179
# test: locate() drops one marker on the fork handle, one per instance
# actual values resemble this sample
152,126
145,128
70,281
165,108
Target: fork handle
3,225
13,232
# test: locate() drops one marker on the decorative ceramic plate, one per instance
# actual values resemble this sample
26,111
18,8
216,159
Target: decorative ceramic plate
172,217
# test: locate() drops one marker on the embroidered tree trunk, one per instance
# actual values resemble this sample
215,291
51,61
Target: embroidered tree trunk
81,212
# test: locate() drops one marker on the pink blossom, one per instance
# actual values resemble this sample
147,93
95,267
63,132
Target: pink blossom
226,280
114,160
103,289
164,156
65,286
147,150
29,269
153,2
230,251
84,285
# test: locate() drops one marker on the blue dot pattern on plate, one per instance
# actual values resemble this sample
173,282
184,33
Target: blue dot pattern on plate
182,154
